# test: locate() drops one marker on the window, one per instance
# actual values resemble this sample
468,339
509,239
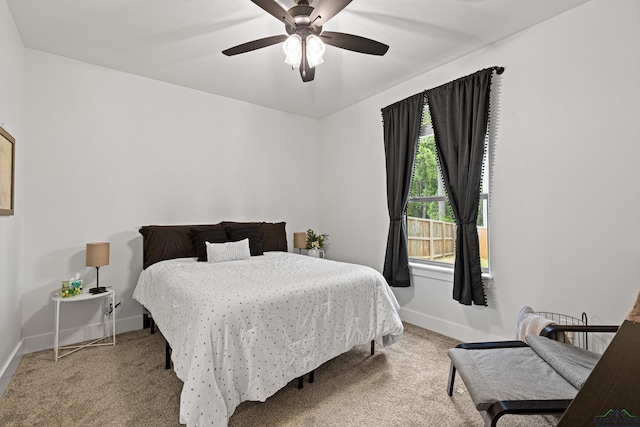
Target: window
431,228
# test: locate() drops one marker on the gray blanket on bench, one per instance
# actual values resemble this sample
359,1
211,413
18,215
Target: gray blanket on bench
573,363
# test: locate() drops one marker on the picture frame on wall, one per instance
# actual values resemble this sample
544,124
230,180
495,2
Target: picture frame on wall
7,172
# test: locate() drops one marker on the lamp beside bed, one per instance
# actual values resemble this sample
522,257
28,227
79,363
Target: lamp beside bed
300,241
97,256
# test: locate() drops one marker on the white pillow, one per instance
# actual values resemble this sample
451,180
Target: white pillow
229,251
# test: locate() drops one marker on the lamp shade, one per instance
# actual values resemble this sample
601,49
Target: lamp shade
97,254
300,240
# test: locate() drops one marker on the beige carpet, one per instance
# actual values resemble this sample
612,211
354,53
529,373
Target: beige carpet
127,385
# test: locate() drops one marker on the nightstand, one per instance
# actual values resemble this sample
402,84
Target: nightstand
110,295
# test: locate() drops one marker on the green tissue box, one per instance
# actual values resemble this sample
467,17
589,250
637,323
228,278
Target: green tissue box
70,288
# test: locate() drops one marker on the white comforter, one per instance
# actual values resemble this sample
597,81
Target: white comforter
241,330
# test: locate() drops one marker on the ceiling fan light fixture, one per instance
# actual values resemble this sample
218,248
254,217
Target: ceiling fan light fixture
292,48
315,50
304,46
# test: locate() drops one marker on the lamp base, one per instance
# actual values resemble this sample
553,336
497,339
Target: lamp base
97,290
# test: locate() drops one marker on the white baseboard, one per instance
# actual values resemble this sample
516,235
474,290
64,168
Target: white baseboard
72,336
445,327
17,352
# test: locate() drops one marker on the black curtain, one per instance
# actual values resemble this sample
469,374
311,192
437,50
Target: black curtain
401,122
460,115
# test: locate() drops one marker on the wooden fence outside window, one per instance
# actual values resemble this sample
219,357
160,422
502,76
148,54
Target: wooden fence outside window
436,240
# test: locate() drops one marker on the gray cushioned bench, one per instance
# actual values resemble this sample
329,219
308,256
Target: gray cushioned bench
539,376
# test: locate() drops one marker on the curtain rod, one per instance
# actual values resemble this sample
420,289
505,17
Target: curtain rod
496,68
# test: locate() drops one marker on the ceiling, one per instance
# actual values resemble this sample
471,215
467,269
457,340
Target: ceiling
180,42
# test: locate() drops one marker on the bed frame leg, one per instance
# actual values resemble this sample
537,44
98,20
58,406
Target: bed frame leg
311,379
152,325
373,347
167,355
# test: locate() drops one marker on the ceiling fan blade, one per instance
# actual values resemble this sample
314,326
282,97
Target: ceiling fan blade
276,10
326,10
354,43
255,44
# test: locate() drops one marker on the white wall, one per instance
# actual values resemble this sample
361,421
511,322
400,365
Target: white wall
109,152
12,119
564,185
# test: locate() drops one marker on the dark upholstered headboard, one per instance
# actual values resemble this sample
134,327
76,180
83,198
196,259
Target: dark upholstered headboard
161,242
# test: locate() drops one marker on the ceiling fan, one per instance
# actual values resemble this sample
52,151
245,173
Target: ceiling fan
305,43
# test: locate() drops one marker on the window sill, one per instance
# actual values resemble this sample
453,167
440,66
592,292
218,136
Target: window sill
437,272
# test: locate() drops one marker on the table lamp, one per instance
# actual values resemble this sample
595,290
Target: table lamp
300,240
97,256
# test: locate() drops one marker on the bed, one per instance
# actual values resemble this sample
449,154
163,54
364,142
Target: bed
242,329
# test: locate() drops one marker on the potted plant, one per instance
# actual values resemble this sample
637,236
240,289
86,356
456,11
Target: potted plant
315,243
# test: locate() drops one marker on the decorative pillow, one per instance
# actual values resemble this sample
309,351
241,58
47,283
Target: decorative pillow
241,232
202,235
229,251
273,235
161,242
